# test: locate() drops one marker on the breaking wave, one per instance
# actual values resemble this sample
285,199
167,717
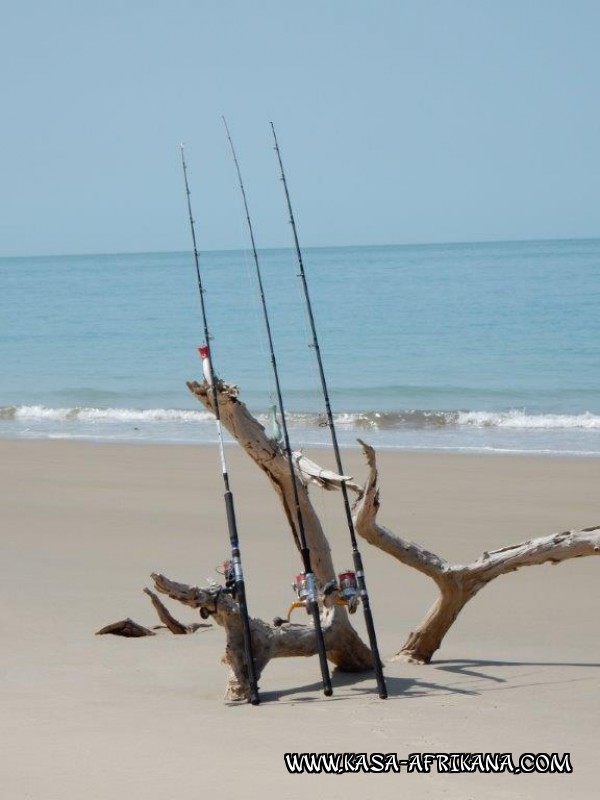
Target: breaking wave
519,419
513,419
366,420
43,413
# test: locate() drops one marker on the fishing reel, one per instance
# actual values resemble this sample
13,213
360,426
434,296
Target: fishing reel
228,573
348,591
302,589
304,600
346,585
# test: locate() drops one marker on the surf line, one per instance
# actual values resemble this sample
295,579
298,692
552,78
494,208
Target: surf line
238,587
356,556
310,583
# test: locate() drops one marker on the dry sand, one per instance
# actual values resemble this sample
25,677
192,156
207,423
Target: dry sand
83,526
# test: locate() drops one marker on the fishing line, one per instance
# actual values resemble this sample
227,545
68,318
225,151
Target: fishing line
307,591
358,564
237,581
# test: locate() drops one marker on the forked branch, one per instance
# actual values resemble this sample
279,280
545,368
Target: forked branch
457,584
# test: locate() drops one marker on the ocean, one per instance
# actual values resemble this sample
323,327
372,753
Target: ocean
491,347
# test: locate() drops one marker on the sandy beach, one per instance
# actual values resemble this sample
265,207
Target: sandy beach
84,525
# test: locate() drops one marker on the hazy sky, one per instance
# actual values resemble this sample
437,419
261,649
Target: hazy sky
399,121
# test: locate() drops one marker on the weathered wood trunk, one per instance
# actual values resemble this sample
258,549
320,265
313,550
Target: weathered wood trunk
423,642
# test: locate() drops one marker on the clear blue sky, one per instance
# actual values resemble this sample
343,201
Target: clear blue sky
399,121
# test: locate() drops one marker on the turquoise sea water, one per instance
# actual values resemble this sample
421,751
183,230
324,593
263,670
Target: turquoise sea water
462,347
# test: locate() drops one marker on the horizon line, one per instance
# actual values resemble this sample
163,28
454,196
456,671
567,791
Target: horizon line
457,242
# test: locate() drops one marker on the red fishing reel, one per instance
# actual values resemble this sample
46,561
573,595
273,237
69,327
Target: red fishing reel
302,588
348,590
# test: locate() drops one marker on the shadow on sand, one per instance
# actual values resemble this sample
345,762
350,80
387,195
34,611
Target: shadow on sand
347,685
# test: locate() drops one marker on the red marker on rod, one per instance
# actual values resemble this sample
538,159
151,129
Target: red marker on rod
206,365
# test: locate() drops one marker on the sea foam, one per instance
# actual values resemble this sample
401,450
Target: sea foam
520,419
361,420
43,413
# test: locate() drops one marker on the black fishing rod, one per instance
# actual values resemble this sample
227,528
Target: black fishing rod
312,603
236,560
356,556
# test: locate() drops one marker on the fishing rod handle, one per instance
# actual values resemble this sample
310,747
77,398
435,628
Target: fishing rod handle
312,606
316,615
370,624
240,590
377,665
240,594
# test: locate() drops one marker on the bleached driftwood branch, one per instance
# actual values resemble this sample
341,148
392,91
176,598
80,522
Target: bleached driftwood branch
168,620
272,460
270,457
458,584
269,641
130,629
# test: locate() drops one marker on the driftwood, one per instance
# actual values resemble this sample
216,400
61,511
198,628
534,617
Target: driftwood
125,627
270,457
457,583
130,629
169,620
345,649
269,641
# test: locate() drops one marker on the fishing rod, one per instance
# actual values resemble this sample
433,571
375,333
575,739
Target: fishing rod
237,579
312,602
356,556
